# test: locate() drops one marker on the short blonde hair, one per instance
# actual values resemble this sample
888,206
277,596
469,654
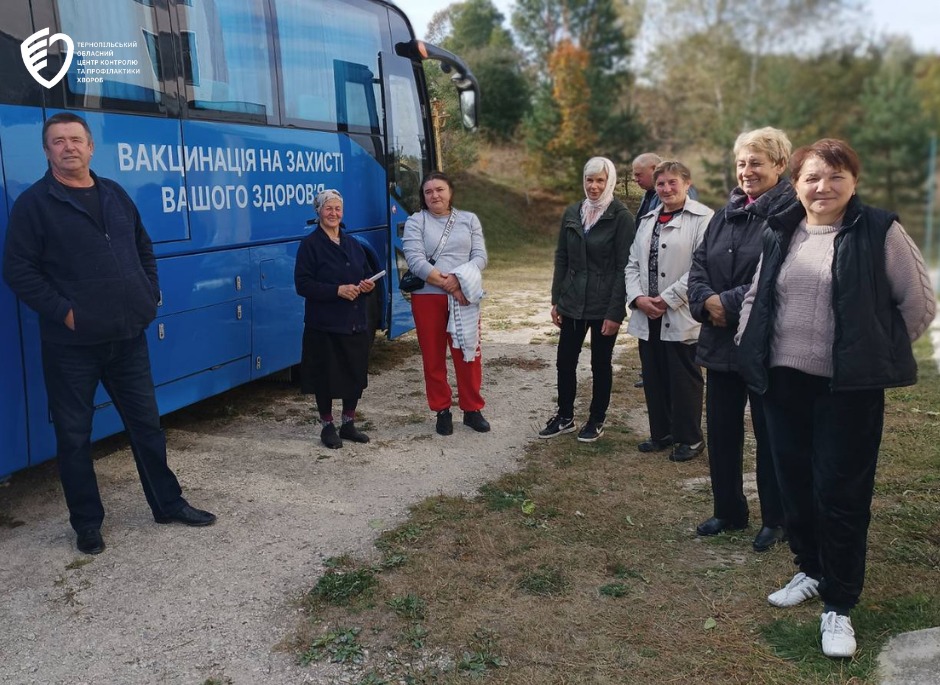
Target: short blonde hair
771,141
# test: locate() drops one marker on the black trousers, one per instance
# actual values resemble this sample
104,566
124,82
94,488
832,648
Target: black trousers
673,385
72,374
725,397
573,332
825,450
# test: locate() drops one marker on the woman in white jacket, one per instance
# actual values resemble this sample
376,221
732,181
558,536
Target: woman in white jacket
657,275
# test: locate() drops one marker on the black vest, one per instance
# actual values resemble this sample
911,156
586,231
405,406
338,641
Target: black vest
871,348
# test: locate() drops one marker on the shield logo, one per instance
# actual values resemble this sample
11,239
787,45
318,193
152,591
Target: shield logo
35,50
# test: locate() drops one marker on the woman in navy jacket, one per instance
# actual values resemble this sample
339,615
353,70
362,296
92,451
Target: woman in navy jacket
722,269
332,273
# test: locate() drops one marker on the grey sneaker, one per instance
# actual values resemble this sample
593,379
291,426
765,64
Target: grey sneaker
591,431
557,425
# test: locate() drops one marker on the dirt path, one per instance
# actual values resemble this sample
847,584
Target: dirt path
167,604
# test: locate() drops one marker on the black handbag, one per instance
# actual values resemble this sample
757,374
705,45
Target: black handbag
409,283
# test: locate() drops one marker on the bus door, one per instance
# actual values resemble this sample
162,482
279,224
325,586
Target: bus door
408,160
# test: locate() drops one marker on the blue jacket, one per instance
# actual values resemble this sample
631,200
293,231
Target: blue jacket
58,258
724,265
322,266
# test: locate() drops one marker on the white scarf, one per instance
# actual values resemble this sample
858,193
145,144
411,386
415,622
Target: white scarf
591,210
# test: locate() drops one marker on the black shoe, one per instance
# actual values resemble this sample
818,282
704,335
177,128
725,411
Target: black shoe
591,431
768,537
655,445
683,452
329,437
89,541
348,431
475,420
445,422
557,425
188,516
714,526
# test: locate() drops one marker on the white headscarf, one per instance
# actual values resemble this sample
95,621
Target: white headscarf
591,210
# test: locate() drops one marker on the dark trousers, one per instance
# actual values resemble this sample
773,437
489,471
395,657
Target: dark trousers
673,385
573,332
72,374
825,449
725,397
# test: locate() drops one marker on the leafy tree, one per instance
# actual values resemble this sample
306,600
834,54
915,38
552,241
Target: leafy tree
549,28
474,30
574,138
723,66
891,136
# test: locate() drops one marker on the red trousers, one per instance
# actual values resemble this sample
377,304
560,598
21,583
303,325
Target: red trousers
430,314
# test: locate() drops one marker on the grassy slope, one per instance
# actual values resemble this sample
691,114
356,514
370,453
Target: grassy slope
584,567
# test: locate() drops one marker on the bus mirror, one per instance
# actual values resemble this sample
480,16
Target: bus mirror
461,76
468,108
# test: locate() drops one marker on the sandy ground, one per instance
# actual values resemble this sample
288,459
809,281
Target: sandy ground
169,604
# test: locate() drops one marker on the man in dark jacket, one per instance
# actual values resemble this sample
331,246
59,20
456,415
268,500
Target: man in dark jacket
77,253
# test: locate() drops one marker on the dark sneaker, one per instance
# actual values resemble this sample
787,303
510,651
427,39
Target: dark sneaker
89,541
683,452
329,437
591,431
557,425
475,420
348,431
445,422
655,445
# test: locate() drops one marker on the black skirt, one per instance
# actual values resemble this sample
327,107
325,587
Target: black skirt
334,364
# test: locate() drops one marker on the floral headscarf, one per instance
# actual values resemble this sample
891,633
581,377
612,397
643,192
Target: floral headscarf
325,196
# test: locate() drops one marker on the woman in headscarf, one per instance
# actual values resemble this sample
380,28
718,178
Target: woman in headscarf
332,275
588,294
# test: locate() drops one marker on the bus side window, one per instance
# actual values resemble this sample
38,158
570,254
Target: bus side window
118,63
329,56
17,87
226,58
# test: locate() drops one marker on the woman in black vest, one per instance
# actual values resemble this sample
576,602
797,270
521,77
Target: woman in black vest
827,325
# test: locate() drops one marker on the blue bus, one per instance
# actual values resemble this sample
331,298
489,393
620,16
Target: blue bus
222,119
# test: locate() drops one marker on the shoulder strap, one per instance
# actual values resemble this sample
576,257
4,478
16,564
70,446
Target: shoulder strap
443,241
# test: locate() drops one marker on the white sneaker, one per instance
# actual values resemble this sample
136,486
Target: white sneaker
838,636
797,591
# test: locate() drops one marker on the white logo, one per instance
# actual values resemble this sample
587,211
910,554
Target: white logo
34,51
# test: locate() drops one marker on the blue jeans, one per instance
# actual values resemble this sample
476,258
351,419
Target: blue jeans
72,374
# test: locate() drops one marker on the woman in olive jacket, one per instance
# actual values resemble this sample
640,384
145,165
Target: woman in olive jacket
588,294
